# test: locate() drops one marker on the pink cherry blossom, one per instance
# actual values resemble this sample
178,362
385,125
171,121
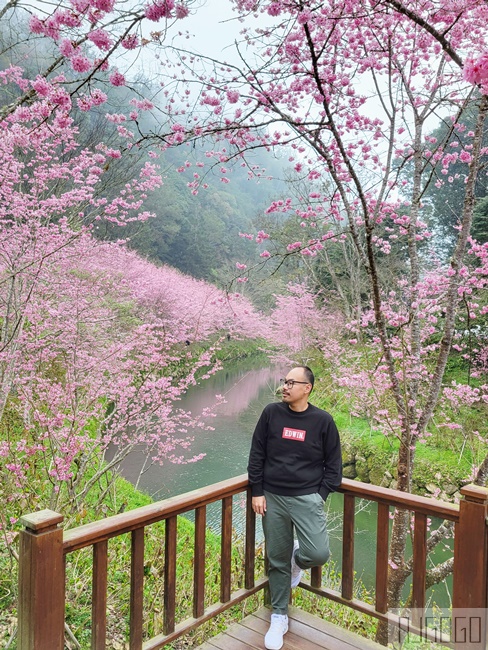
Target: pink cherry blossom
159,9
130,42
101,39
476,70
80,62
117,79
181,11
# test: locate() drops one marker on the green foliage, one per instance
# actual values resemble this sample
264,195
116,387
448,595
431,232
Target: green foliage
480,221
199,233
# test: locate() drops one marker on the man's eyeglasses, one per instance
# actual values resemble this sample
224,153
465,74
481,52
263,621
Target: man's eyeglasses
289,383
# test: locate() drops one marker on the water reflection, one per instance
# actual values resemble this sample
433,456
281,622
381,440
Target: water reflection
246,389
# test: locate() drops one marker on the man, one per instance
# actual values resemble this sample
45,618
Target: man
294,463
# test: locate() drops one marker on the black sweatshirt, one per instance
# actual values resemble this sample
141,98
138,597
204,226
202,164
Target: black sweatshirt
295,453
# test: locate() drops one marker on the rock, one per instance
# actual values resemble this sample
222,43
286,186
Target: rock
362,469
349,471
450,488
430,487
377,476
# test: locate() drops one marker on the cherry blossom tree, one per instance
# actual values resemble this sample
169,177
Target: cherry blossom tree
100,361
298,323
348,91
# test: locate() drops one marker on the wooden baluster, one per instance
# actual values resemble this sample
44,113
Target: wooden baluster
136,588
348,547
250,550
199,563
41,582
170,575
316,576
99,596
267,594
419,560
382,533
226,550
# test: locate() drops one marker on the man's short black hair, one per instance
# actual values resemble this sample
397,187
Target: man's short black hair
309,376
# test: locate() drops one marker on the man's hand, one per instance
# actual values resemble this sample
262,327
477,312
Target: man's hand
259,505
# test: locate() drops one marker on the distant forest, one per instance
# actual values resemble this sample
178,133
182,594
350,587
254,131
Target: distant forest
199,233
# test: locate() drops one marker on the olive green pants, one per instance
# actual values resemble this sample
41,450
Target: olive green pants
305,515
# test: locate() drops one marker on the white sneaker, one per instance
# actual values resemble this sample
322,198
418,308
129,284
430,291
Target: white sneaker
274,636
296,572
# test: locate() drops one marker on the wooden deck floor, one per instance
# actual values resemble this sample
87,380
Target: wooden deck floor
305,632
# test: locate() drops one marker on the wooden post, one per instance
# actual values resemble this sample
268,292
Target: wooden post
470,588
470,585
41,582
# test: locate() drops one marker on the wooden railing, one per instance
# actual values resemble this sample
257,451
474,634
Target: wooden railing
41,576
470,574
44,545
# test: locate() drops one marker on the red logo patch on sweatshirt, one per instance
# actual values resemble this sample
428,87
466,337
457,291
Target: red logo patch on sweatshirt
294,434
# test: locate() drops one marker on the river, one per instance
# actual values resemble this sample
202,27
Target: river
247,386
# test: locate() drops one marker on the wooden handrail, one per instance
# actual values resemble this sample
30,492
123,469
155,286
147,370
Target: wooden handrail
423,505
126,522
103,529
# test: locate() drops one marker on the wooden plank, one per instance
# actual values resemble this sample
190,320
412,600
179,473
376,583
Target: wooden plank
306,632
238,642
348,547
170,575
99,596
199,562
226,550
255,639
419,560
332,630
382,534
250,548
298,637
136,589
